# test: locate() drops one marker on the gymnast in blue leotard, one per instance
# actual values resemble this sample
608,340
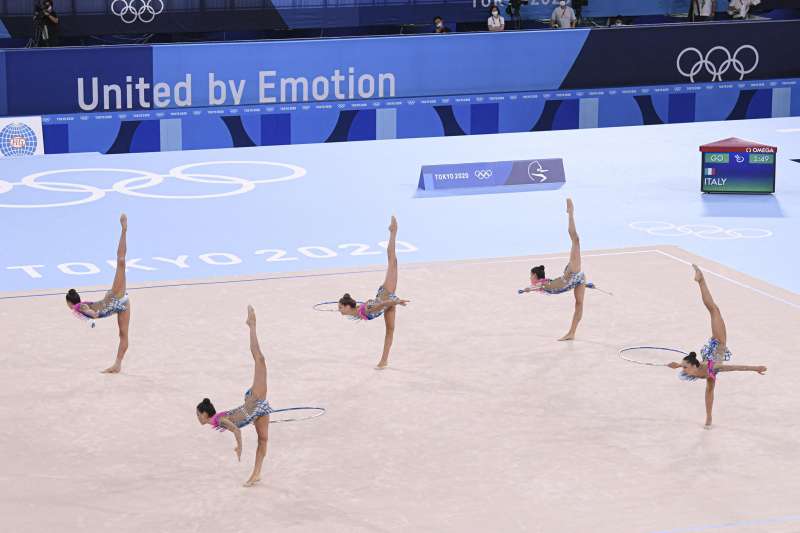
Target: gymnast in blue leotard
255,409
573,278
115,301
385,301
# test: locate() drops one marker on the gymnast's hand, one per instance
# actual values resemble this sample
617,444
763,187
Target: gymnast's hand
674,365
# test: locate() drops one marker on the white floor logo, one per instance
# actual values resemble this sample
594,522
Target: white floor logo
702,231
144,179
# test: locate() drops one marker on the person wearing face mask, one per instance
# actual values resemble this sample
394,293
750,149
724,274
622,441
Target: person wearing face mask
496,22
702,10
439,26
563,16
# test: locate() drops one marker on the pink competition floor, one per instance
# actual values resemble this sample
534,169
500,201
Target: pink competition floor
483,422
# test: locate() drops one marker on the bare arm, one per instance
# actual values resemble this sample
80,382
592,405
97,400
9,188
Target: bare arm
230,426
88,311
382,306
740,368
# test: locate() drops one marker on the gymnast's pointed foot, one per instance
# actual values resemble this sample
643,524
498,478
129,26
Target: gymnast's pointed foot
698,274
251,317
570,207
123,220
382,364
393,225
568,337
113,369
253,481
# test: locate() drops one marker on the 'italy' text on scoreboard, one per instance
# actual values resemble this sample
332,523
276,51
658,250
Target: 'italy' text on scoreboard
737,166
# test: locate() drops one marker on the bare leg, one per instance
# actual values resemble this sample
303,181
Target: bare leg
580,291
389,318
390,283
718,330
710,384
119,285
123,321
575,251
262,428
259,388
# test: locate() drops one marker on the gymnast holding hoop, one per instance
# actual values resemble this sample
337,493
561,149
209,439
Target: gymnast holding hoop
714,353
572,279
115,302
255,410
384,302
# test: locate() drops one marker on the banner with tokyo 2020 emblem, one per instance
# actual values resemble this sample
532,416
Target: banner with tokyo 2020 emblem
490,177
21,136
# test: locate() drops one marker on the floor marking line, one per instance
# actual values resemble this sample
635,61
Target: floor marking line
755,522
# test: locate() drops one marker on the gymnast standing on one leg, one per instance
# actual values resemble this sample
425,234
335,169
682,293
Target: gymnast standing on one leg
714,353
384,302
572,278
255,410
115,301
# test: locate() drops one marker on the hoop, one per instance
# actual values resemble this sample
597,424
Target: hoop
295,414
633,348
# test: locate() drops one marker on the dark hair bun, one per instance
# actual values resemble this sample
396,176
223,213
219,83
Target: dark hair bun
692,359
206,400
206,407
348,300
73,297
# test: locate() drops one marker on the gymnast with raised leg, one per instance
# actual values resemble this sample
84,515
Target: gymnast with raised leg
255,410
572,279
115,302
714,353
385,300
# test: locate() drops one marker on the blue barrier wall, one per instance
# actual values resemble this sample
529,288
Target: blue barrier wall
99,79
170,97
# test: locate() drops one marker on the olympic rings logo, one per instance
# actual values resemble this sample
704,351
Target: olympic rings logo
130,14
483,174
143,179
717,71
702,231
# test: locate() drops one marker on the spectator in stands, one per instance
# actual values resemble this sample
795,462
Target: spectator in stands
616,21
45,25
563,16
513,10
740,9
496,22
439,26
702,10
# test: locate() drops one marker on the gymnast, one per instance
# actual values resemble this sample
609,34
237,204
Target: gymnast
115,302
714,353
255,410
572,279
384,302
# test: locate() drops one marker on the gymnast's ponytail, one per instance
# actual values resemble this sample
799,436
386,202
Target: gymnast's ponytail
73,297
206,407
692,359
348,301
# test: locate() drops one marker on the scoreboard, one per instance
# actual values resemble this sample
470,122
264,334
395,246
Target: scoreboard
737,166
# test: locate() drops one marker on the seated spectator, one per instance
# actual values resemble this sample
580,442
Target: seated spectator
616,21
702,10
563,16
496,22
439,25
740,9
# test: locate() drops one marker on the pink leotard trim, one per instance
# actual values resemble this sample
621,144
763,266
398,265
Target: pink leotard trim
712,375
214,420
362,312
